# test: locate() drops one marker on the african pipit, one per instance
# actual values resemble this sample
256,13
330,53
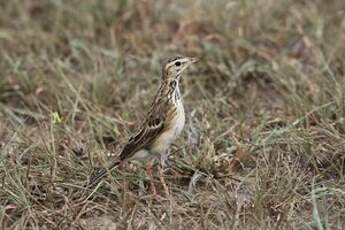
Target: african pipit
163,123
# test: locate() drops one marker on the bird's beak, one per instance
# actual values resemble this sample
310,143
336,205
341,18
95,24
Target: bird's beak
188,62
193,59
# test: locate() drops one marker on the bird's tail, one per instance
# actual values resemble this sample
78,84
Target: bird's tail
99,174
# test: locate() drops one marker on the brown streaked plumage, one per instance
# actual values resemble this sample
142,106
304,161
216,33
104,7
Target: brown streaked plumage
163,123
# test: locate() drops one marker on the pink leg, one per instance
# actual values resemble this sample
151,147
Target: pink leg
149,173
162,180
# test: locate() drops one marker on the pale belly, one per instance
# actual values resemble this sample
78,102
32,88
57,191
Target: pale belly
161,145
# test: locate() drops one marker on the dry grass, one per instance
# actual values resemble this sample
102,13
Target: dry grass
264,143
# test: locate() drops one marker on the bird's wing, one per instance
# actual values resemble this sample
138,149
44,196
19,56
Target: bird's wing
150,129
148,132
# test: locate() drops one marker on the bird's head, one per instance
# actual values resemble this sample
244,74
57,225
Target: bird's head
174,67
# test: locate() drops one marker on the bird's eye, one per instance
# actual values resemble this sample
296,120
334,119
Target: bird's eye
177,63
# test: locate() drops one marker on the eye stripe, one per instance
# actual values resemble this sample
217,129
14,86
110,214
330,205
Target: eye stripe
175,58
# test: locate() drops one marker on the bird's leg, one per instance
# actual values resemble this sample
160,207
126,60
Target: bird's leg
149,173
162,180
164,159
161,173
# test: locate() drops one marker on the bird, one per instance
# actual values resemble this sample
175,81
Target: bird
162,125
